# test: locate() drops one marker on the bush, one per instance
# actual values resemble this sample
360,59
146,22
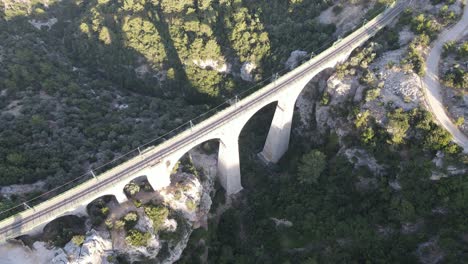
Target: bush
191,206
415,60
398,125
157,214
372,94
456,78
137,238
325,99
311,166
130,219
132,188
78,240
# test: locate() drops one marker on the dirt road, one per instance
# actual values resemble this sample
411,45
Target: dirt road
431,83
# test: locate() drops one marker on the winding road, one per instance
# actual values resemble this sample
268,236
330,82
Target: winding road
431,84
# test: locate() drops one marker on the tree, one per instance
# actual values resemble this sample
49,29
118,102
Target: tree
398,125
157,214
137,238
78,240
132,188
311,166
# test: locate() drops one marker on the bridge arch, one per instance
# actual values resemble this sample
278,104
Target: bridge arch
99,208
63,228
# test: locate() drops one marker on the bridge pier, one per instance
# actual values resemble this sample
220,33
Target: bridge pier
277,141
158,178
120,196
228,164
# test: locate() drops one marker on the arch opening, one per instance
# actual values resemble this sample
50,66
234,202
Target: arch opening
100,208
194,175
252,140
61,230
304,127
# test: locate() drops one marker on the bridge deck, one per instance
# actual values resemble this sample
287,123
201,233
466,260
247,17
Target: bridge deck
27,220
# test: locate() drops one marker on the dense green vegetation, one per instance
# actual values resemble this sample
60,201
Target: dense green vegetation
427,27
457,75
346,213
110,75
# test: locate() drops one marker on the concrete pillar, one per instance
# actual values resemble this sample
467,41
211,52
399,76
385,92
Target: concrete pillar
158,178
120,196
228,164
277,141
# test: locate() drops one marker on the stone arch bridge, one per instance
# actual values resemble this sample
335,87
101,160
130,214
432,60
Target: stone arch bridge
157,162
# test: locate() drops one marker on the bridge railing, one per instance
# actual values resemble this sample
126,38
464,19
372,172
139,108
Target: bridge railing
62,203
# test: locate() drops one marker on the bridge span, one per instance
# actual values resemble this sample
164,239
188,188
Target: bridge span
157,162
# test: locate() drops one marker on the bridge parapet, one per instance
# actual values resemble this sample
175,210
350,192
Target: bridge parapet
159,160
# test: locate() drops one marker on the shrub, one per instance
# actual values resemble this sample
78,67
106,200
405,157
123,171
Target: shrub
460,121
132,188
311,166
325,99
130,219
191,206
372,94
78,240
398,125
137,238
119,225
157,214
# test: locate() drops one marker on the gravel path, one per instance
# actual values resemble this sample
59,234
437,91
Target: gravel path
431,83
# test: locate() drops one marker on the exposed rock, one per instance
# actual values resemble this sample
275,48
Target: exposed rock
346,20
395,185
405,36
246,71
366,184
39,24
281,222
142,70
39,254
340,90
429,252
437,175
398,89
452,170
92,251
360,157
439,159
295,58
18,189
409,228
210,64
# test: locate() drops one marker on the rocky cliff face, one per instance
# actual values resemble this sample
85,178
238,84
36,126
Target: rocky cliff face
190,199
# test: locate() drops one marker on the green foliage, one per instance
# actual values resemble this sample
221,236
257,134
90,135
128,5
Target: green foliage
398,125
130,219
463,50
191,205
70,79
137,238
78,240
421,24
372,94
311,167
132,188
460,121
325,99
118,225
449,47
362,119
415,59
157,214
456,78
